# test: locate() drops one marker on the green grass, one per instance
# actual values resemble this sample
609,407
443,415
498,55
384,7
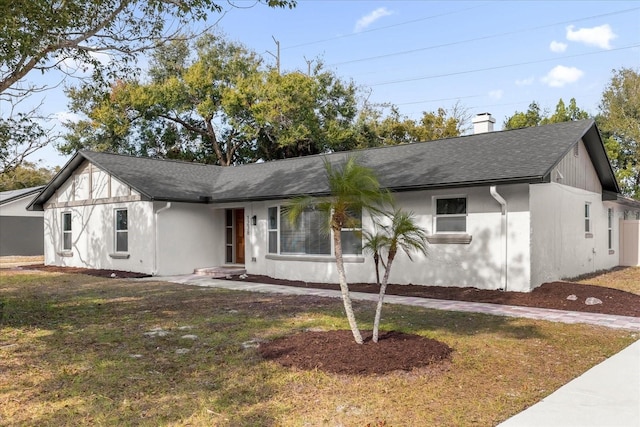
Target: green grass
73,351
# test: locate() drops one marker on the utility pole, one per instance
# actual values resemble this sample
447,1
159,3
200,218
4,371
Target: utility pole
309,62
277,55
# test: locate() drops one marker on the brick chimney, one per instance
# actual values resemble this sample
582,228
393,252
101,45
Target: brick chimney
483,123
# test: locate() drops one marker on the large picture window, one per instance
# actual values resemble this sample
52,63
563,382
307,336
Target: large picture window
351,236
307,236
451,215
66,231
122,231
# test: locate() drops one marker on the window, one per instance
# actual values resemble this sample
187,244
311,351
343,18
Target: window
587,218
122,231
610,227
272,214
351,236
66,231
308,236
451,215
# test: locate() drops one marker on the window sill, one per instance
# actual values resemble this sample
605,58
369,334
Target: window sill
120,255
316,258
588,235
451,239
65,253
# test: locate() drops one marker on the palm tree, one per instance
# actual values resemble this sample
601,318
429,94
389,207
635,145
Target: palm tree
353,189
402,233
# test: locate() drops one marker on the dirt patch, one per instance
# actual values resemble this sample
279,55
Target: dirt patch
550,295
337,352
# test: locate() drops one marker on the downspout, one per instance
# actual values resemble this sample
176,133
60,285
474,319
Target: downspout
504,234
155,238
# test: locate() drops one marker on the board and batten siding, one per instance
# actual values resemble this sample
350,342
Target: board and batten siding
576,170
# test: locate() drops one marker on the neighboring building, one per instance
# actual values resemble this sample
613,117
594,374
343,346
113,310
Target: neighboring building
503,210
21,231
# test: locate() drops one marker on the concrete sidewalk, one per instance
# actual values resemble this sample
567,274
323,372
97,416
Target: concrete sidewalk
607,395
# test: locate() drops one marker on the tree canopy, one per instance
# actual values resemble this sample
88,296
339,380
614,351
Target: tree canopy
213,101
619,123
534,116
43,36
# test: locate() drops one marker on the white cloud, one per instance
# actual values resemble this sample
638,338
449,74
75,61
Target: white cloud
597,36
372,17
525,82
557,47
561,75
72,65
496,94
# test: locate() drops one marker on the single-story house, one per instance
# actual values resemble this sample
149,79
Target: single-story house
21,231
503,210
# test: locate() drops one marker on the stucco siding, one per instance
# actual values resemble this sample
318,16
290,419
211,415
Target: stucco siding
561,248
190,236
93,237
479,263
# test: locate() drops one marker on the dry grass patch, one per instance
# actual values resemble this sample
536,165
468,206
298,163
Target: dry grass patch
79,350
16,260
622,278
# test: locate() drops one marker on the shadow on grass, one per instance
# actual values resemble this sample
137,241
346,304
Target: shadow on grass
94,338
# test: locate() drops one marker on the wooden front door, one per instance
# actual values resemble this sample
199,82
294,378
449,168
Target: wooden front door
239,235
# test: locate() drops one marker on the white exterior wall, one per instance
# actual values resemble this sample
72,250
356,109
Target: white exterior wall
478,264
190,236
18,207
93,237
560,246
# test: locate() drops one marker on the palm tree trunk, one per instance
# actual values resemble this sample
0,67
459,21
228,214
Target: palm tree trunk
383,289
344,288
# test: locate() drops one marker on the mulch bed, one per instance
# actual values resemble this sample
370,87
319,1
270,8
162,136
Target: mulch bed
549,295
337,352
88,271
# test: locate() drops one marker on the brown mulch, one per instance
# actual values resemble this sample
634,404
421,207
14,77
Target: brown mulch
549,295
337,352
88,271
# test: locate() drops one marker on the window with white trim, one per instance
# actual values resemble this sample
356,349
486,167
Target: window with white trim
451,215
309,236
121,230
66,231
587,217
272,214
610,227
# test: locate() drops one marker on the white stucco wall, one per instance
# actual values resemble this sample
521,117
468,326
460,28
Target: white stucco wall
93,236
560,246
477,264
190,236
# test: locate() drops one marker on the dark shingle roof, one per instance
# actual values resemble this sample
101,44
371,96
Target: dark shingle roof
522,155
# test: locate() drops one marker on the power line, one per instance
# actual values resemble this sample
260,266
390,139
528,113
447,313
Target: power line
406,52
498,67
380,28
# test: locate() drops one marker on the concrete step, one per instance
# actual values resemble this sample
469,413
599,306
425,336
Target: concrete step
220,272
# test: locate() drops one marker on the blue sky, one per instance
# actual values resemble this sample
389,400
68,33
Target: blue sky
493,56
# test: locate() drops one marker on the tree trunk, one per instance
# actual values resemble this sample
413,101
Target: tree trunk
383,289
344,288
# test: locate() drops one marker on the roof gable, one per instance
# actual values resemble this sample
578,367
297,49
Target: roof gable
513,156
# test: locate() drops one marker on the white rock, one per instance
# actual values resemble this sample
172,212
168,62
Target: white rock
189,337
592,301
243,276
113,275
135,356
182,351
572,298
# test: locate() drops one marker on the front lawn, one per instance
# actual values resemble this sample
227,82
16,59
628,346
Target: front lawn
80,350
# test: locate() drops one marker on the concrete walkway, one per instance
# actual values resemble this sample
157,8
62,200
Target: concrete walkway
606,395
